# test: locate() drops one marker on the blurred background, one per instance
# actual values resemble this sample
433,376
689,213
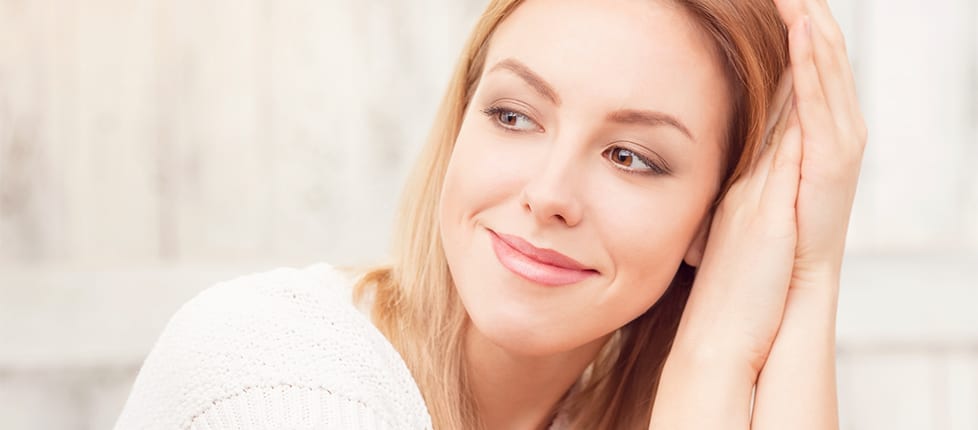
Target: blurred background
149,148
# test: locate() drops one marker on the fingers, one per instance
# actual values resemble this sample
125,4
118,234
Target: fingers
772,139
761,167
817,122
780,102
770,156
780,190
834,68
777,115
832,59
791,11
789,111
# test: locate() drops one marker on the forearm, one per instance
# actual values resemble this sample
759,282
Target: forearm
797,386
701,388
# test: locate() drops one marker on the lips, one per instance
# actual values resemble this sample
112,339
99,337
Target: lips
543,266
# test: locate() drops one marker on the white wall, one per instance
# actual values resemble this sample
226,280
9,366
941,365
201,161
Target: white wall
149,148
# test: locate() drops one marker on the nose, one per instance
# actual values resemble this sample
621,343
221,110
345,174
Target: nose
551,195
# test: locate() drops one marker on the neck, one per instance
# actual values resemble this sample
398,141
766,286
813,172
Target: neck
515,391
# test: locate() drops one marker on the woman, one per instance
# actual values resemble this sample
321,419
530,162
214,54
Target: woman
620,221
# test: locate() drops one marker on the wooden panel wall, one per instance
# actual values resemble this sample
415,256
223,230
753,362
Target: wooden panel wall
149,144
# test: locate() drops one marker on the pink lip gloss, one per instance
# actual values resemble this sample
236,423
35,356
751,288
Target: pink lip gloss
534,270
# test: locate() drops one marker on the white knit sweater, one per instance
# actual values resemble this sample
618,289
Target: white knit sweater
285,349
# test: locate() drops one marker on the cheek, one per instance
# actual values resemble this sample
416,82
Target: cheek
647,238
483,171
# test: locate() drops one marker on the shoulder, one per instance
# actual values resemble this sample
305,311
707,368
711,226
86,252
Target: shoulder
283,295
291,331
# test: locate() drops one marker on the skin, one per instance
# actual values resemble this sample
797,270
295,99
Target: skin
785,343
555,182
552,183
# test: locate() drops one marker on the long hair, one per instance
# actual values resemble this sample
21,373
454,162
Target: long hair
415,303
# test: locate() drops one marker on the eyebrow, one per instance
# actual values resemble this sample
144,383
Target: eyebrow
648,117
622,116
531,78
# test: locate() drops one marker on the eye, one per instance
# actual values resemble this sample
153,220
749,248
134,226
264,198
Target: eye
632,162
510,120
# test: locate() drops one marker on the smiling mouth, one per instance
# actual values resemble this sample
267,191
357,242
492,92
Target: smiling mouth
542,266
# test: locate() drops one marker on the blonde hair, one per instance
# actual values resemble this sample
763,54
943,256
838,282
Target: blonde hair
415,303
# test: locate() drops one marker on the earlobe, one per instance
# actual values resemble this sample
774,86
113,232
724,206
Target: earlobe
694,255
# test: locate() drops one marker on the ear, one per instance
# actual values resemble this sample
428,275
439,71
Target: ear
694,255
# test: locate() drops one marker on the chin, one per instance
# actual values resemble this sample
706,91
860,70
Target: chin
522,334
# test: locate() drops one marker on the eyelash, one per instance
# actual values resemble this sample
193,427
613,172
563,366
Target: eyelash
493,113
656,169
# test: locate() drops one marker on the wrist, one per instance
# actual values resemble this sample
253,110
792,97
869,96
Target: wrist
702,388
716,356
824,272
821,289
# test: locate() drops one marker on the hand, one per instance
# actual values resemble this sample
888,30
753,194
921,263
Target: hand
737,301
834,137
796,387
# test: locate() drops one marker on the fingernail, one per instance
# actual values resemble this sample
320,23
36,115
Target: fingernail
808,26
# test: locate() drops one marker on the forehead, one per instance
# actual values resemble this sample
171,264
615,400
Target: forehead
610,54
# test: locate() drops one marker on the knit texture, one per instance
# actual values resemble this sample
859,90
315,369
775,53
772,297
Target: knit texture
284,349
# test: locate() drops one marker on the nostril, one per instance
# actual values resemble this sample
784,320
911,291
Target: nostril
548,208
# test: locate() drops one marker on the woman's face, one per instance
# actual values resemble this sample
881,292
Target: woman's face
585,166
